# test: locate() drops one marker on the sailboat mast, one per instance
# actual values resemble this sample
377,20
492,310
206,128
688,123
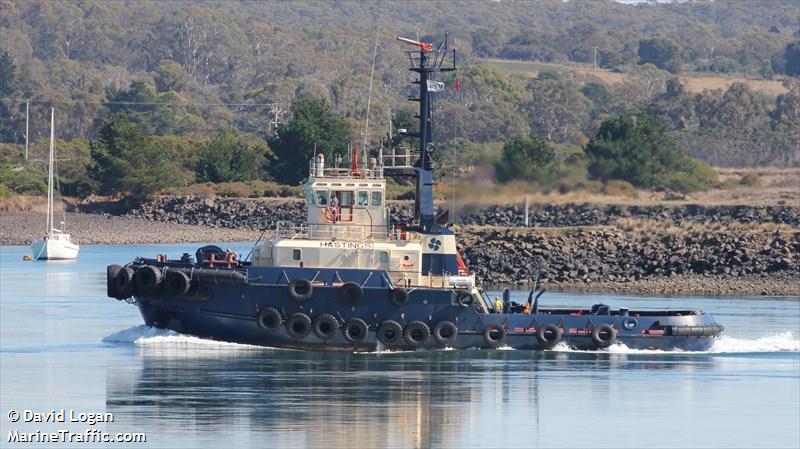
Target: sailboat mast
50,172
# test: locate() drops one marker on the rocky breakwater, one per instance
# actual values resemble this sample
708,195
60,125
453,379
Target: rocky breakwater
695,260
260,214
561,215
237,213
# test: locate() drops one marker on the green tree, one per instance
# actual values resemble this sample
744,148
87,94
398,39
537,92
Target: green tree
524,158
638,149
125,160
662,52
792,57
312,126
10,122
146,107
226,158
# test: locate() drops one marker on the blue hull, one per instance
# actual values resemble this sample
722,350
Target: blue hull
230,312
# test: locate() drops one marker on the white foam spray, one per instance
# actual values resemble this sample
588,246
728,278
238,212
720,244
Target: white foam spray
782,342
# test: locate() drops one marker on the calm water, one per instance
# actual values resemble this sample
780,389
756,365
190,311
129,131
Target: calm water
64,345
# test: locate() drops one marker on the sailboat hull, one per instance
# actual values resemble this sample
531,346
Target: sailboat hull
54,249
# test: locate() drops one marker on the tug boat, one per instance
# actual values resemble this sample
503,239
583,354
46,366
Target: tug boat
348,279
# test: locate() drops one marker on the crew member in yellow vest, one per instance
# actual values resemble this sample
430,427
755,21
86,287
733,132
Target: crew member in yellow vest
498,305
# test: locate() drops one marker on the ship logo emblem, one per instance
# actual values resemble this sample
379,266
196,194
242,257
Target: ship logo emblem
434,244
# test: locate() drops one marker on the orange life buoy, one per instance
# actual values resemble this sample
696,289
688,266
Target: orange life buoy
331,214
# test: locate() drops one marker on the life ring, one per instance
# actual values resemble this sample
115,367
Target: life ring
390,333
464,298
494,335
111,277
146,280
331,214
301,289
604,335
325,326
123,282
417,334
548,335
298,326
176,283
269,319
351,294
355,330
398,296
445,332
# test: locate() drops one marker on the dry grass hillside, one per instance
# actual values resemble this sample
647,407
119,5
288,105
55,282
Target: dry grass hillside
583,73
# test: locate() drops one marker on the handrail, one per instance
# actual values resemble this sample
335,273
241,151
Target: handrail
340,231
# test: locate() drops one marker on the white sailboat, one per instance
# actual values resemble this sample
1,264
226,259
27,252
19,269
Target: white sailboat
56,244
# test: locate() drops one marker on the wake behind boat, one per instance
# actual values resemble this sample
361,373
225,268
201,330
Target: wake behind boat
348,279
56,244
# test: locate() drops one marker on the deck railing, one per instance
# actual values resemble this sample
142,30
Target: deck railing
339,231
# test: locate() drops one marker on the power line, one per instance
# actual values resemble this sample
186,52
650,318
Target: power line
135,103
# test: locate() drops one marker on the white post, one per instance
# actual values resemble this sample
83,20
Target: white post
594,71
527,217
27,128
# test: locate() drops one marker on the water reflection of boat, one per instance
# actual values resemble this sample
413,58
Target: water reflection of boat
351,280
322,400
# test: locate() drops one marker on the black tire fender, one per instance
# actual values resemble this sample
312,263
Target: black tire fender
398,296
269,319
494,335
147,280
351,294
355,330
417,334
123,282
464,298
604,335
325,326
390,333
445,332
300,289
548,335
111,278
176,283
298,326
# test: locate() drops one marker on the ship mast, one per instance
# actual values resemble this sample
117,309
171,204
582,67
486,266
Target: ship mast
427,61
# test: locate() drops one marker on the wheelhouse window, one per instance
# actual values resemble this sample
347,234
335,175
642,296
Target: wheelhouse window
363,198
384,257
376,198
309,197
322,197
345,199
297,254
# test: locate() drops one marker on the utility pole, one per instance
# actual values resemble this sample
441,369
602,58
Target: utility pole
27,128
594,71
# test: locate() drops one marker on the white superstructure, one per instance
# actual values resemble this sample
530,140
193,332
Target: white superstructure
348,227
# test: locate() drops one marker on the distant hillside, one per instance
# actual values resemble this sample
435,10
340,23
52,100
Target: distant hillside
183,70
